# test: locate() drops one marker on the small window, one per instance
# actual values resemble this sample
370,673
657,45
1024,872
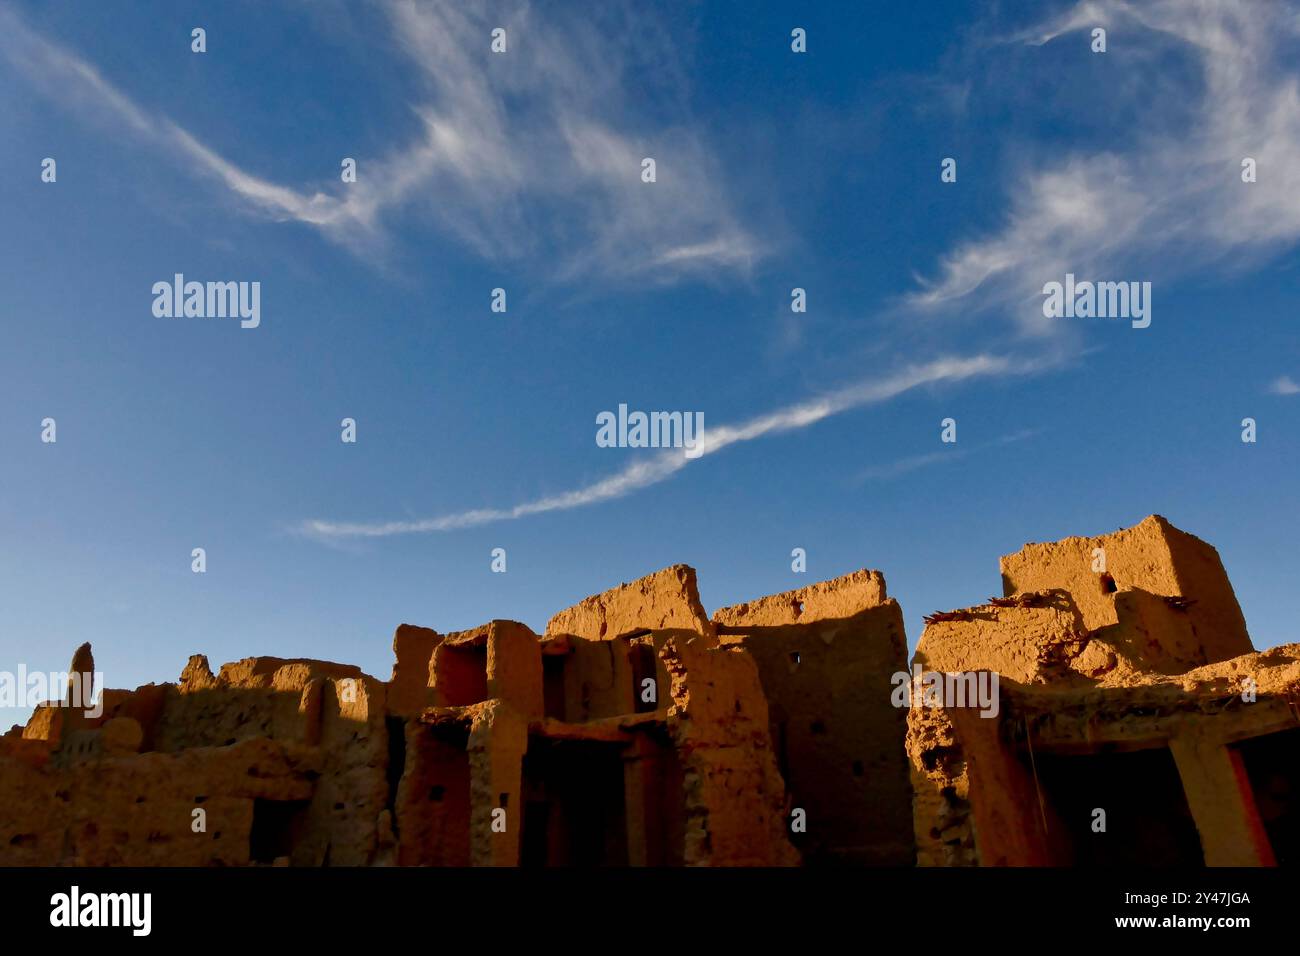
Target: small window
277,825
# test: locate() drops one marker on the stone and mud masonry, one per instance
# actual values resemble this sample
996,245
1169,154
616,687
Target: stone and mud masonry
1108,709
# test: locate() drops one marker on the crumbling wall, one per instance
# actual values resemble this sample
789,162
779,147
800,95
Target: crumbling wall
826,655
976,800
824,601
596,679
1039,639
410,687
498,738
735,809
973,801
433,796
256,697
311,732
637,731
139,809
668,599
1153,556
1103,675
349,820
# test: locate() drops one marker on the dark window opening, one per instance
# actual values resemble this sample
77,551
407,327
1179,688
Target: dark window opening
277,824
644,660
462,674
1108,585
553,685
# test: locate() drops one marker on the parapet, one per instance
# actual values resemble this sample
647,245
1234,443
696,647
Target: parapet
1153,556
838,598
666,600
1034,638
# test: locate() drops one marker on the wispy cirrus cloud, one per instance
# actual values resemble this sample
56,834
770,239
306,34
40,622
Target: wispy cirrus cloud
534,151
1121,207
552,132
1164,199
76,83
653,469
903,466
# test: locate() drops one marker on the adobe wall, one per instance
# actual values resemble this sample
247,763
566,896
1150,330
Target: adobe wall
433,797
1153,556
826,654
699,780
1153,633
1035,638
1144,664
138,810
666,600
973,802
735,807
637,731
167,749
826,600
409,687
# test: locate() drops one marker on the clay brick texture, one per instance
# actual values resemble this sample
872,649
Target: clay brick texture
639,730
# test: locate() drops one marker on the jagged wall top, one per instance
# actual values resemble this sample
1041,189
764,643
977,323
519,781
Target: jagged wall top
1153,556
666,600
839,597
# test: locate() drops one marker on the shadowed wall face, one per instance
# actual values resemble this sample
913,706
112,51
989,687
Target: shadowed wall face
839,740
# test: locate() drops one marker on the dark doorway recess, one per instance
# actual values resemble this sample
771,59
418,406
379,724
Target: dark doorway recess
1147,819
573,804
1272,765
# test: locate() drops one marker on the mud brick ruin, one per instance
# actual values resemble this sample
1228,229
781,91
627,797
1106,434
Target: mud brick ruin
1135,691
639,731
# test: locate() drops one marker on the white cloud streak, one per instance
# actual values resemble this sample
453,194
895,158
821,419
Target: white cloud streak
528,152
660,467
1175,192
903,466
63,76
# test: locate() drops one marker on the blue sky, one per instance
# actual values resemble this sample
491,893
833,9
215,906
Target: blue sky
521,170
